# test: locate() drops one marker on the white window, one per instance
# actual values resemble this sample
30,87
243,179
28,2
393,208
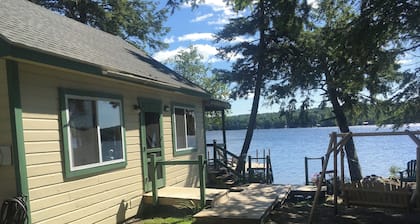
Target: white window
185,133
95,131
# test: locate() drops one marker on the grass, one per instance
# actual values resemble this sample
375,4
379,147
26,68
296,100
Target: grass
168,220
179,213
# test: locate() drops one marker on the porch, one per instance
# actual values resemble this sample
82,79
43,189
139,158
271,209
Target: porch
174,195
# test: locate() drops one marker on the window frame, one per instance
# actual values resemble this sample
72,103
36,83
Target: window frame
71,171
187,150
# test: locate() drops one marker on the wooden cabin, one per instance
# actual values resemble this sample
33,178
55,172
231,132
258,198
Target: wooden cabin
82,111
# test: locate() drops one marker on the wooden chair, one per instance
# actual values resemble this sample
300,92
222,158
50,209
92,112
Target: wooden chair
410,172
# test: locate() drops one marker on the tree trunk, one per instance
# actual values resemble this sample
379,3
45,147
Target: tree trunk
340,117
258,84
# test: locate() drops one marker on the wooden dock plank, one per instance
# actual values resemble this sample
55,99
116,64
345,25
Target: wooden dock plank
248,206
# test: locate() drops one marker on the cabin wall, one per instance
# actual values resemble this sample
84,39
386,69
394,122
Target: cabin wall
183,175
109,197
7,172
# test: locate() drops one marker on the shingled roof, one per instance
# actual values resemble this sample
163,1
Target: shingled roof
34,28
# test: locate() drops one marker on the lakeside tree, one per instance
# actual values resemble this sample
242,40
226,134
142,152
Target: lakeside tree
189,63
350,73
272,26
137,21
328,57
398,21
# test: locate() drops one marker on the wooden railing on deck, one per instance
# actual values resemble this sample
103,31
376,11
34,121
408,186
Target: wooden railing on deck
224,158
201,162
256,173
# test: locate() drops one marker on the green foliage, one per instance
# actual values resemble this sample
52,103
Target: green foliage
137,21
274,25
189,64
394,171
282,25
315,117
190,205
168,220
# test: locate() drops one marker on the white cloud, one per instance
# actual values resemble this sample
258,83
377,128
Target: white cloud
163,56
405,61
207,51
201,18
224,11
313,3
196,37
169,40
242,39
219,21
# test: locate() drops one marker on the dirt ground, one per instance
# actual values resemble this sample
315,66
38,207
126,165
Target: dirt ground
295,212
298,212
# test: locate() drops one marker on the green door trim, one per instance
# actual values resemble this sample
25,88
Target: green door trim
16,124
150,105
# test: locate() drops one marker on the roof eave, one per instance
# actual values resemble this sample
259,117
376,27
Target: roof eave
9,49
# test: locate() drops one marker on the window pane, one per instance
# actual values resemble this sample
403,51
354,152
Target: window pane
109,119
181,141
191,139
152,122
83,132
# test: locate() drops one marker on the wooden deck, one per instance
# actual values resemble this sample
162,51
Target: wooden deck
251,205
172,195
306,191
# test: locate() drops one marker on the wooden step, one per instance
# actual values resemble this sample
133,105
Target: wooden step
251,205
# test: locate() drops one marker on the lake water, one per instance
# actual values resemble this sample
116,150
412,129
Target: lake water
289,147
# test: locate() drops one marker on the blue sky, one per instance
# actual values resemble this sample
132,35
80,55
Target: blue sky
197,27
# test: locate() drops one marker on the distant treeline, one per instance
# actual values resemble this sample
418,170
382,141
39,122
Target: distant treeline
307,118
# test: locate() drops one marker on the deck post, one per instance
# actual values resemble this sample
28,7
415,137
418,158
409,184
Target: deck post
331,146
306,171
418,176
214,154
201,165
225,157
224,128
154,179
335,183
342,165
224,137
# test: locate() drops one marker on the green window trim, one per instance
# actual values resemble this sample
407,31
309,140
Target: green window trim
188,150
16,124
97,168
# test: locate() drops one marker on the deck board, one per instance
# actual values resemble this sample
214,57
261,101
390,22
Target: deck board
169,195
248,206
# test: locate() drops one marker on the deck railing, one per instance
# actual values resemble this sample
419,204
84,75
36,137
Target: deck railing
201,162
306,166
221,157
260,172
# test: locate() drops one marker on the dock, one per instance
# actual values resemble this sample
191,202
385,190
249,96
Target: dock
251,204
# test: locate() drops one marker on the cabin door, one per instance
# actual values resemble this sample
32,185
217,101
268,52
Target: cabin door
151,140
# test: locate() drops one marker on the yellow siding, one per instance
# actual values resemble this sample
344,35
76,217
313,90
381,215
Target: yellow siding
7,173
186,176
104,198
